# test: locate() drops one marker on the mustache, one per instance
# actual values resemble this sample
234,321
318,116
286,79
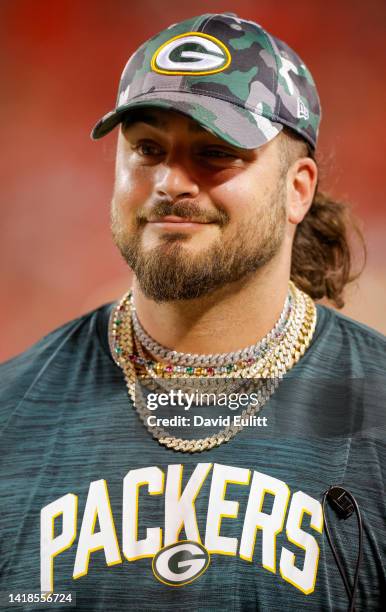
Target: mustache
185,209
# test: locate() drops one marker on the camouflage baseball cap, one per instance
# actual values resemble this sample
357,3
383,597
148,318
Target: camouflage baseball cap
229,74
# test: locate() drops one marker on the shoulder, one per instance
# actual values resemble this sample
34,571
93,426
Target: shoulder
56,349
342,345
355,327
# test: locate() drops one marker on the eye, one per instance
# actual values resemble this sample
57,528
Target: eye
216,154
148,148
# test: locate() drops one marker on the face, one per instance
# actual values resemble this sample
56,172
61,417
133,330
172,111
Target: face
191,213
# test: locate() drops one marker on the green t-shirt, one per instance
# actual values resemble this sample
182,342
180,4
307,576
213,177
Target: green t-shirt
92,504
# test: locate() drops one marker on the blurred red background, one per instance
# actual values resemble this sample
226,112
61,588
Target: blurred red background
61,62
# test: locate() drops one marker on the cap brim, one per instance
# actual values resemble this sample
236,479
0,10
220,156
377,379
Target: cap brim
234,124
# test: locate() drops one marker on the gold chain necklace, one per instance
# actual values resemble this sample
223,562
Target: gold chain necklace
274,364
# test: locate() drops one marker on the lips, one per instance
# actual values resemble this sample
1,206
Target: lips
174,219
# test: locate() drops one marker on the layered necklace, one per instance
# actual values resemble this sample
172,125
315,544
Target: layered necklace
263,364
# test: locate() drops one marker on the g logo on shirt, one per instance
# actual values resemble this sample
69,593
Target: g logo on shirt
180,563
192,53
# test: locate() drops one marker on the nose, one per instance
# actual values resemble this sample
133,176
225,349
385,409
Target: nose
175,181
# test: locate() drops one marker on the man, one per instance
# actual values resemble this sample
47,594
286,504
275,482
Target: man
216,210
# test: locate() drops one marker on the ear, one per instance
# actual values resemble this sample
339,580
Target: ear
302,178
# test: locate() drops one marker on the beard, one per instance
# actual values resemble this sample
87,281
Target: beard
169,272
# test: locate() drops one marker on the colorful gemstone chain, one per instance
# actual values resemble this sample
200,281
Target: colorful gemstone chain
281,355
226,360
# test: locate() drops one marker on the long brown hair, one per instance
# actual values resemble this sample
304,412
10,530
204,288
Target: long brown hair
322,258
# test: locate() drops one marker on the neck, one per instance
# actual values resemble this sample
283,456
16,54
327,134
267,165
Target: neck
228,319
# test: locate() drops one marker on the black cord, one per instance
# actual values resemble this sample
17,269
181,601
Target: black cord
359,559
328,534
340,500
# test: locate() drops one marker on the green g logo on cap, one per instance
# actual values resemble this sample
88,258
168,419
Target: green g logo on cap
191,53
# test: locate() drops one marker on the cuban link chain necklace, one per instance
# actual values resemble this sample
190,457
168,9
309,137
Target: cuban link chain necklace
282,349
